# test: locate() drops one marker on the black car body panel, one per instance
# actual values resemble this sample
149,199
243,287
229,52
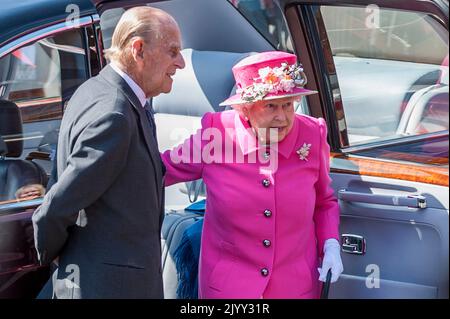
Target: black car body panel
24,16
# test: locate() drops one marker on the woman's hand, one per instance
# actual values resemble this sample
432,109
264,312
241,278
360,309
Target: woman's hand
331,260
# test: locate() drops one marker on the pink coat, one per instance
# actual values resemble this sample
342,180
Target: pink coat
260,240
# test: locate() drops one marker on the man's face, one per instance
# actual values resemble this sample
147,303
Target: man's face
277,114
162,61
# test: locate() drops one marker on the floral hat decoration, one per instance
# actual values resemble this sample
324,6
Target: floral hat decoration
267,76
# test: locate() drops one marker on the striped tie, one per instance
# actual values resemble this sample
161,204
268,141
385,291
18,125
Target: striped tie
151,118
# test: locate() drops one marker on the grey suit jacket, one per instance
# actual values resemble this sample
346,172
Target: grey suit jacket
103,216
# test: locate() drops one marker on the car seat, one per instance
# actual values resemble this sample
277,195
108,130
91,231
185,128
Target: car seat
14,172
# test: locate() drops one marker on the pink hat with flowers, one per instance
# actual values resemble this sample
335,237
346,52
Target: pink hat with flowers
267,76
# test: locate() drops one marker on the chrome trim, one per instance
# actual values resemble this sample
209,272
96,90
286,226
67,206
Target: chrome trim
421,202
412,201
393,142
353,244
63,47
42,33
20,205
95,18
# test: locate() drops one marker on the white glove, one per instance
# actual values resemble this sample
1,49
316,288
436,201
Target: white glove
331,260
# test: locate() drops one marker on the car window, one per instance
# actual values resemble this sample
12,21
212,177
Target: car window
392,70
35,81
37,76
267,18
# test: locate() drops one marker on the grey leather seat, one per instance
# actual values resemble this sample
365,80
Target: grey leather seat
206,81
14,172
426,111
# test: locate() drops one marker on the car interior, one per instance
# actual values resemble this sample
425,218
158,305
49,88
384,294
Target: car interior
15,172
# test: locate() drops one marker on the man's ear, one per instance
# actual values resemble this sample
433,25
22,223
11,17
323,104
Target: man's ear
137,48
141,51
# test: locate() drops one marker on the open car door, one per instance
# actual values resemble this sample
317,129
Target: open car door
380,70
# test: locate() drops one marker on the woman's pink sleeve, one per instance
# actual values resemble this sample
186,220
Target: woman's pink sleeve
184,162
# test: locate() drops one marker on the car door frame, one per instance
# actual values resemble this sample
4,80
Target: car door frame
20,211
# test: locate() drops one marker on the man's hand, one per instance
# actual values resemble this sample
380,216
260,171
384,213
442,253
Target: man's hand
32,190
331,260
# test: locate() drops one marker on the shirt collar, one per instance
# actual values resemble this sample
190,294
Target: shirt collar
248,143
133,85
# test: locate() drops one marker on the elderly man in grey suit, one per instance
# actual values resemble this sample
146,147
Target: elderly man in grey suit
101,220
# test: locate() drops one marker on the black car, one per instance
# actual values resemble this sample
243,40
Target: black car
381,69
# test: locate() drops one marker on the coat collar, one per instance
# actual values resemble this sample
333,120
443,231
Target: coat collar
248,142
117,81
137,90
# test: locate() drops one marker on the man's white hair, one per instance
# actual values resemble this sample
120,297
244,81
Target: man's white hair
144,22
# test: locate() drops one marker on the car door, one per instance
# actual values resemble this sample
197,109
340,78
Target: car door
39,73
381,68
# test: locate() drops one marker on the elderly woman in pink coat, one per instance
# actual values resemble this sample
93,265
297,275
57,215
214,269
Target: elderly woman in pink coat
271,222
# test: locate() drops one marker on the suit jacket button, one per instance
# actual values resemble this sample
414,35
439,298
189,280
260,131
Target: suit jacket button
264,272
266,182
267,213
266,243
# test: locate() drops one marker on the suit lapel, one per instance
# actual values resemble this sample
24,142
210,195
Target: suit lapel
115,79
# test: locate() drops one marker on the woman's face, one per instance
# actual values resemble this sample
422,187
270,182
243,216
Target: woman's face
277,114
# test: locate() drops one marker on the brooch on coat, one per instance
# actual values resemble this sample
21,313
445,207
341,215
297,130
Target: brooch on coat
303,151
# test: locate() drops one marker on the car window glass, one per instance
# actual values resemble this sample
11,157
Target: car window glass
35,81
392,69
37,77
267,18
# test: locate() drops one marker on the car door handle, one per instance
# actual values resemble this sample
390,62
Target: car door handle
415,201
353,244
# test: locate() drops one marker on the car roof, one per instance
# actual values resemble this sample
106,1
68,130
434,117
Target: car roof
20,16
